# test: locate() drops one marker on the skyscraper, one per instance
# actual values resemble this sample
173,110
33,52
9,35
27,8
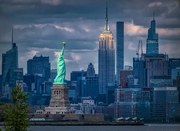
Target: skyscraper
165,104
173,64
78,82
76,74
39,65
140,71
156,65
130,102
152,46
91,81
17,76
0,84
124,77
106,59
9,64
119,49
90,70
148,66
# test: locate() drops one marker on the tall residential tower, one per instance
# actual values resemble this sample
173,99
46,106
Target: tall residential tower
106,59
119,49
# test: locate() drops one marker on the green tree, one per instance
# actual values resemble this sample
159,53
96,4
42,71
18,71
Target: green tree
17,113
2,114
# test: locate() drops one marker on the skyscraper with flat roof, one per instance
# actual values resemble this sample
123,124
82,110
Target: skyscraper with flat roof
78,82
156,65
173,64
152,46
165,104
119,48
149,66
39,66
106,59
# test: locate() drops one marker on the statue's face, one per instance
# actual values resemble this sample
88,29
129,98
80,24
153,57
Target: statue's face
56,54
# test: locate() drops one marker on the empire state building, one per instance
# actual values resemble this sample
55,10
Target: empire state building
106,59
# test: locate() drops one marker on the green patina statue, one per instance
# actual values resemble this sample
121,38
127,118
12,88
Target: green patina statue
61,68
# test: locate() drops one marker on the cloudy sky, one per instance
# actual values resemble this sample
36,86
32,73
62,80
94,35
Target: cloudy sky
40,26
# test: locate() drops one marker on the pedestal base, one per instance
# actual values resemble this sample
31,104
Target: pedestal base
59,103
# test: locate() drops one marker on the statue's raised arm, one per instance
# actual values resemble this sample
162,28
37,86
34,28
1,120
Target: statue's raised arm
61,68
62,50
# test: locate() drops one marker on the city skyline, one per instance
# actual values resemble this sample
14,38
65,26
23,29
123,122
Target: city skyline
38,32
120,66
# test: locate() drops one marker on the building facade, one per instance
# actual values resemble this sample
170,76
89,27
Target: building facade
139,69
173,64
39,66
76,74
165,103
149,66
92,82
78,83
156,65
132,102
175,72
124,74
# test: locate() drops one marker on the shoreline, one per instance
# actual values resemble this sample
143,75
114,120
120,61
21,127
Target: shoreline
87,123
71,123
60,123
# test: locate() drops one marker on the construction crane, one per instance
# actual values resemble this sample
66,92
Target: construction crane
139,50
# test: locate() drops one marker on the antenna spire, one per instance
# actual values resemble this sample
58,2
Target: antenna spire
153,16
137,52
12,35
107,25
141,48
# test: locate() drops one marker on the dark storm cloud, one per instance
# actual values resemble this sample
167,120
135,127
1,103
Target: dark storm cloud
48,35
40,26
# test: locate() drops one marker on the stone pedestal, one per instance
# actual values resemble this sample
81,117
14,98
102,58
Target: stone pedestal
59,103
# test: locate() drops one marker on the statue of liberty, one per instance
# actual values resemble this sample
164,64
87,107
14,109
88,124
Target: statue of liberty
61,68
